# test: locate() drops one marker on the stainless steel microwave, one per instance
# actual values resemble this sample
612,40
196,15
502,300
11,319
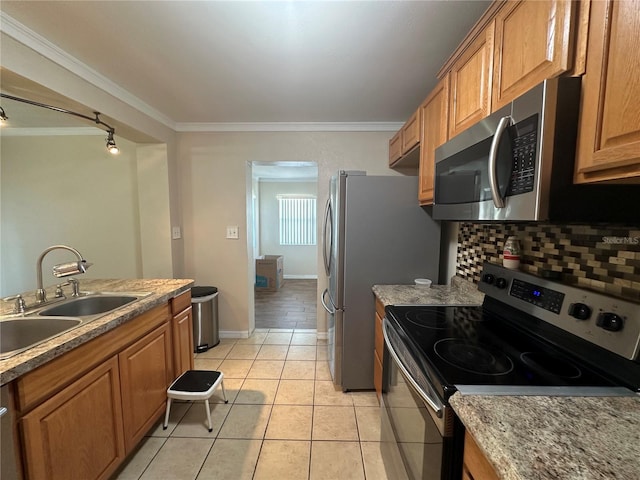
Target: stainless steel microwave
517,165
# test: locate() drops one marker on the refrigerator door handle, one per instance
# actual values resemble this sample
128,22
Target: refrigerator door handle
327,242
331,312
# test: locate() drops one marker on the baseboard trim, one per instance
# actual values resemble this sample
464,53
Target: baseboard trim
233,334
322,336
300,277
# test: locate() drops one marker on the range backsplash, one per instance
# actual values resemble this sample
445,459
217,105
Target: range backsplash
601,258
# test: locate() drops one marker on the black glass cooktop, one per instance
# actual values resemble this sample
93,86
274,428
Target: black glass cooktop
473,346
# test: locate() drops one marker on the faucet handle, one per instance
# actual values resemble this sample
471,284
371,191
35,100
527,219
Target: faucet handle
20,305
75,287
59,292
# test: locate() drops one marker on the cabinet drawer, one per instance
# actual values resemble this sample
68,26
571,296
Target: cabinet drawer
379,308
181,302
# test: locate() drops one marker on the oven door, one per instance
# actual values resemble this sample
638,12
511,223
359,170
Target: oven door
416,425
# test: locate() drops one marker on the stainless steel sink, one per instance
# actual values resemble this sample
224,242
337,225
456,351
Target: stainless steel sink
89,305
19,333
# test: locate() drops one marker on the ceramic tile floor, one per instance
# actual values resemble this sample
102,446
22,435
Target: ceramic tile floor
291,306
284,420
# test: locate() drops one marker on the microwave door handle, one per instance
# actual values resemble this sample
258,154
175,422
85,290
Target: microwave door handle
498,201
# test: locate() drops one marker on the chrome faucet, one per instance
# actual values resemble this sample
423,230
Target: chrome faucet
62,270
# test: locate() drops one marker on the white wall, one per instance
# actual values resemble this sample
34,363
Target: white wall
213,181
68,190
130,122
299,260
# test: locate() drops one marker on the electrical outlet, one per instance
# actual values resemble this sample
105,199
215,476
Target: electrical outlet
232,232
175,233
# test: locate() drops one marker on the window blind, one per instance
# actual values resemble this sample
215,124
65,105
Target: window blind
297,216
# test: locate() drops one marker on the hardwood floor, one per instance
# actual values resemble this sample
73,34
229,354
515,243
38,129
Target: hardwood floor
292,306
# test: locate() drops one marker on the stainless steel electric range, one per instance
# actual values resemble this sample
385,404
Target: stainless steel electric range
531,336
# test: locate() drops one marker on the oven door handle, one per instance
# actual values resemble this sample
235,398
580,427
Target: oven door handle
435,405
498,201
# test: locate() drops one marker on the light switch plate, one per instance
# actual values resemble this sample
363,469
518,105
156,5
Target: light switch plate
175,233
232,232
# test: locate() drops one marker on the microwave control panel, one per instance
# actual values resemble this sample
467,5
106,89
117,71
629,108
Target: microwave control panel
524,137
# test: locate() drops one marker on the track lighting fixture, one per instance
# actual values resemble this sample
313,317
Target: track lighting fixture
111,143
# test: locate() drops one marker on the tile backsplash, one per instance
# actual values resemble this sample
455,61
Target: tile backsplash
601,258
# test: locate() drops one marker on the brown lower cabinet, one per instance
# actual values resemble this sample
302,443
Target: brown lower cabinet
77,433
145,372
82,413
182,330
378,353
475,465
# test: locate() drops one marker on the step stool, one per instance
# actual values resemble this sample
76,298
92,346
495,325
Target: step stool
195,385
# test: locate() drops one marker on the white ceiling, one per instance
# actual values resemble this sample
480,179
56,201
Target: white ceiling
207,62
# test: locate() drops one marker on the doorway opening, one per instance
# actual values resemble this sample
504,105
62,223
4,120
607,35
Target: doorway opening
284,220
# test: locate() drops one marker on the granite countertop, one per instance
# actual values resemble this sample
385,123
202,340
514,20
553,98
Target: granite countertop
564,438
460,292
162,290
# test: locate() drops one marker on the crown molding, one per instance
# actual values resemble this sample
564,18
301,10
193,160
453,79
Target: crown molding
52,52
51,132
44,47
290,127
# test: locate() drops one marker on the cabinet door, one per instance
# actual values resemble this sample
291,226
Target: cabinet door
145,373
476,466
78,432
395,147
609,131
411,132
182,326
532,42
377,375
471,83
435,122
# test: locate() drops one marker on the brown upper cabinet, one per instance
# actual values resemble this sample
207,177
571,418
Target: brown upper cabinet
470,98
395,148
609,131
533,42
403,145
435,124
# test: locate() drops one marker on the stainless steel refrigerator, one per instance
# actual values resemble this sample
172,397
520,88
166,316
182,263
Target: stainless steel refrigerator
374,233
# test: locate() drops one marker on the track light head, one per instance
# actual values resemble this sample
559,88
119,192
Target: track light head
111,143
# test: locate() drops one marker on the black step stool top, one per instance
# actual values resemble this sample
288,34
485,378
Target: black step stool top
195,381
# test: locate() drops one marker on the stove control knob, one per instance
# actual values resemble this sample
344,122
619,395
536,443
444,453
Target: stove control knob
610,321
501,283
488,278
580,311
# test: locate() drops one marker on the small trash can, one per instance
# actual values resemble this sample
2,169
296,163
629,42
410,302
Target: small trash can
204,302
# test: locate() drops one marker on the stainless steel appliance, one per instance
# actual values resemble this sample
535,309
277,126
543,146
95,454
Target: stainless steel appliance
530,336
374,233
517,165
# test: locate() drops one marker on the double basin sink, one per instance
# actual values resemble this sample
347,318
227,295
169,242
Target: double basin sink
21,332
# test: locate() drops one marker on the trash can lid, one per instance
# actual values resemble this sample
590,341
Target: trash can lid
202,291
